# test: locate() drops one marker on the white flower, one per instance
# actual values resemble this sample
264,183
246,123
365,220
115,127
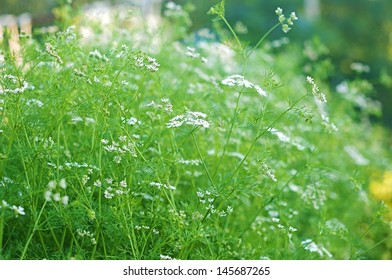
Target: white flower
4,203
98,55
285,28
293,16
19,210
98,183
331,127
311,246
48,195
132,121
52,184
238,80
292,229
63,184
123,184
190,118
56,197
285,22
50,49
319,96
191,52
65,199
260,91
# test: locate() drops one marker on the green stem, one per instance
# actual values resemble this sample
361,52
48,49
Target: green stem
202,160
230,132
33,232
224,186
262,39
268,128
234,34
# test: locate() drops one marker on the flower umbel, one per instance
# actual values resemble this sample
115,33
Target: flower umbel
319,96
240,81
190,118
285,22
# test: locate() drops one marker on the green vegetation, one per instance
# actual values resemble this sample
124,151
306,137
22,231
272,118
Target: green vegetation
152,145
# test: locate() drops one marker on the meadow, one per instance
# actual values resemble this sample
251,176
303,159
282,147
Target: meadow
159,143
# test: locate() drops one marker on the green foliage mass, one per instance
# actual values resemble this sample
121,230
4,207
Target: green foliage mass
140,144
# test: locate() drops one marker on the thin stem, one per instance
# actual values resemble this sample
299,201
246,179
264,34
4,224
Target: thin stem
229,135
33,232
234,34
262,39
202,160
268,128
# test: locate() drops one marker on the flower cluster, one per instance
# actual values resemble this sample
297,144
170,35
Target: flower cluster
45,142
208,198
285,22
172,10
18,210
12,80
85,120
360,67
191,52
50,49
189,162
180,217
240,81
113,189
167,258
160,186
54,194
331,127
314,195
98,55
286,139
189,118
319,96
148,62
85,233
130,121
35,102
165,104
311,246
69,165
120,149
143,227
268,171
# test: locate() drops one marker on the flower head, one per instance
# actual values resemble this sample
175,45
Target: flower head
238,80
189,118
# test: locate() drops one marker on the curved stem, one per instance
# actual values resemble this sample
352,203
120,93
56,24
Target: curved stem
262,39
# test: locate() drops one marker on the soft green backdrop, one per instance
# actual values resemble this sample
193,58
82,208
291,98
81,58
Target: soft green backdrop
352,30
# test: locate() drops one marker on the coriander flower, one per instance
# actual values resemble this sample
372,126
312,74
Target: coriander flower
285,22
238,80
189,118
191,52
50,49
19,210
278,11
319,96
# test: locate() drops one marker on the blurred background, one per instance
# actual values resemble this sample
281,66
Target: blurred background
346,31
